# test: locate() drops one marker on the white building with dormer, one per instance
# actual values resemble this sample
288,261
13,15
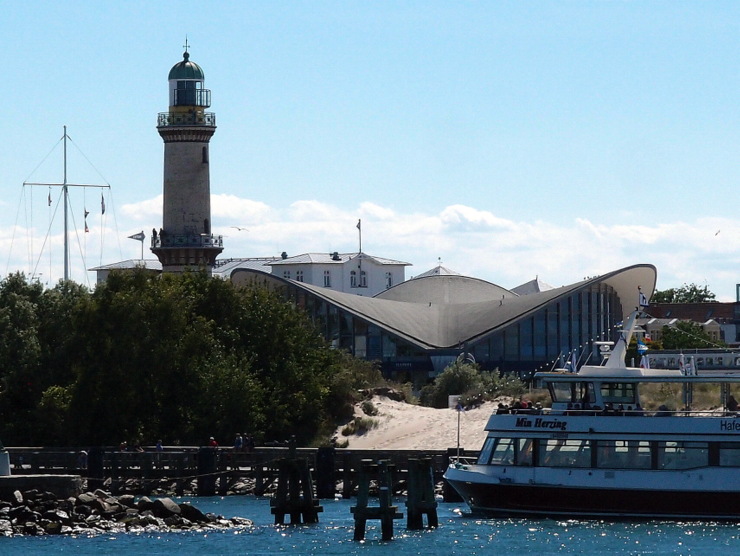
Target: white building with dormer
357,273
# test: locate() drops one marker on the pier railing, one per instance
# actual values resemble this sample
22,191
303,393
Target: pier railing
181,463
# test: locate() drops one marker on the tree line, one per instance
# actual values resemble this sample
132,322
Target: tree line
173,357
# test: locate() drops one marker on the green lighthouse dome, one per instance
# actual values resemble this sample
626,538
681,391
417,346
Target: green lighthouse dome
186,69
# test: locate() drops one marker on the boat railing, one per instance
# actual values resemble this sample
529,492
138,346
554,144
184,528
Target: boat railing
660,412
460,461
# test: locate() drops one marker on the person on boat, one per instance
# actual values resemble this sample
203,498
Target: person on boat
212,442
663,411
732,404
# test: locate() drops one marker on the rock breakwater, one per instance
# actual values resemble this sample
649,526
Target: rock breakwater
41,513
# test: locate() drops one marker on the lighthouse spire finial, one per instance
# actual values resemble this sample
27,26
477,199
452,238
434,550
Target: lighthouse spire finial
186,55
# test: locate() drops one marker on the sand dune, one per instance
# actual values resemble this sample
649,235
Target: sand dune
403,426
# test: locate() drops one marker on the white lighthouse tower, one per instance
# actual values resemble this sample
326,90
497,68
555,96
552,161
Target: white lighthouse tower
185,240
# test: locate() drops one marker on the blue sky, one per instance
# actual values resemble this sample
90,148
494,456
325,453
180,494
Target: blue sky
507,139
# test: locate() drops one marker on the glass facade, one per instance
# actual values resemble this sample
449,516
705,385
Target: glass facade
560,331
563,329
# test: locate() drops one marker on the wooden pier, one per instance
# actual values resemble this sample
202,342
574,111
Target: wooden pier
336,471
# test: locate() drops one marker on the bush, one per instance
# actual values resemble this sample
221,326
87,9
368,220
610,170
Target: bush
360,425
473,385
368,408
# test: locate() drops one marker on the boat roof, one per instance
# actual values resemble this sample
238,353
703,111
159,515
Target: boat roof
634,374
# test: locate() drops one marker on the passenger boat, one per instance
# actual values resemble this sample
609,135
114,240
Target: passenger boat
596,453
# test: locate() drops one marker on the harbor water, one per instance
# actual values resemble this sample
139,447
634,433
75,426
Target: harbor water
458,533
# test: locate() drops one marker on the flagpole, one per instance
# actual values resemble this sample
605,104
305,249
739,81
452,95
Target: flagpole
359,230
64,190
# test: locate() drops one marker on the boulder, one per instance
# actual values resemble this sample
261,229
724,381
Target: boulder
86,498
192,513
17,497
127,500
165,507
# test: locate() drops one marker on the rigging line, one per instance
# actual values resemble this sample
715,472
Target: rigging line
689,334
88,160
79,247
15,226
115,227
43,245
44,159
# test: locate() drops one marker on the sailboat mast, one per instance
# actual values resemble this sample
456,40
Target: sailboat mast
64,196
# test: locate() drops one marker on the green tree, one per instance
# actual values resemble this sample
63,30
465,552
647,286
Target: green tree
172,357
20,358
685,335
688,293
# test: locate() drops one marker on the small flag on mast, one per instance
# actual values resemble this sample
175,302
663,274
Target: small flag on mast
102,204
50,196
138,237
643,298
359,224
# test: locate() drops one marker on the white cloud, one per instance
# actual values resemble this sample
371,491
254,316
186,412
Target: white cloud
471,241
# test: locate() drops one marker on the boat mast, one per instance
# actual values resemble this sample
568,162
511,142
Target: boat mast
65,185
64,196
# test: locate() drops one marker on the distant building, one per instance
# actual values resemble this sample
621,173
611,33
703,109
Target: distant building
355,273
718,318
418,327
102,272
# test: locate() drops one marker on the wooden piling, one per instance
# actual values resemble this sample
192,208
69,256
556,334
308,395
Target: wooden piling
294,496
325,483
207,471
420,497
385,511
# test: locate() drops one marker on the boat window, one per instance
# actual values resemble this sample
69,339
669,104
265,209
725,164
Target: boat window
617,392
561,391
485,453
524,451
587,393
565,453
682,455
503,452
729,454
623,454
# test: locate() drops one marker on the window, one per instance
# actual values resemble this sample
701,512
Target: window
524,451
299,275
327,279
363,279
729,454
682,455
565,453
503,453
205,155
617,393
353,279
485,453
623,454
388,280
286,274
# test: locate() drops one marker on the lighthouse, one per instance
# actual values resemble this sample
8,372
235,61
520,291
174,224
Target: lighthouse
185,240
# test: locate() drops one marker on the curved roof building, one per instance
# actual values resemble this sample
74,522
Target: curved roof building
415,329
